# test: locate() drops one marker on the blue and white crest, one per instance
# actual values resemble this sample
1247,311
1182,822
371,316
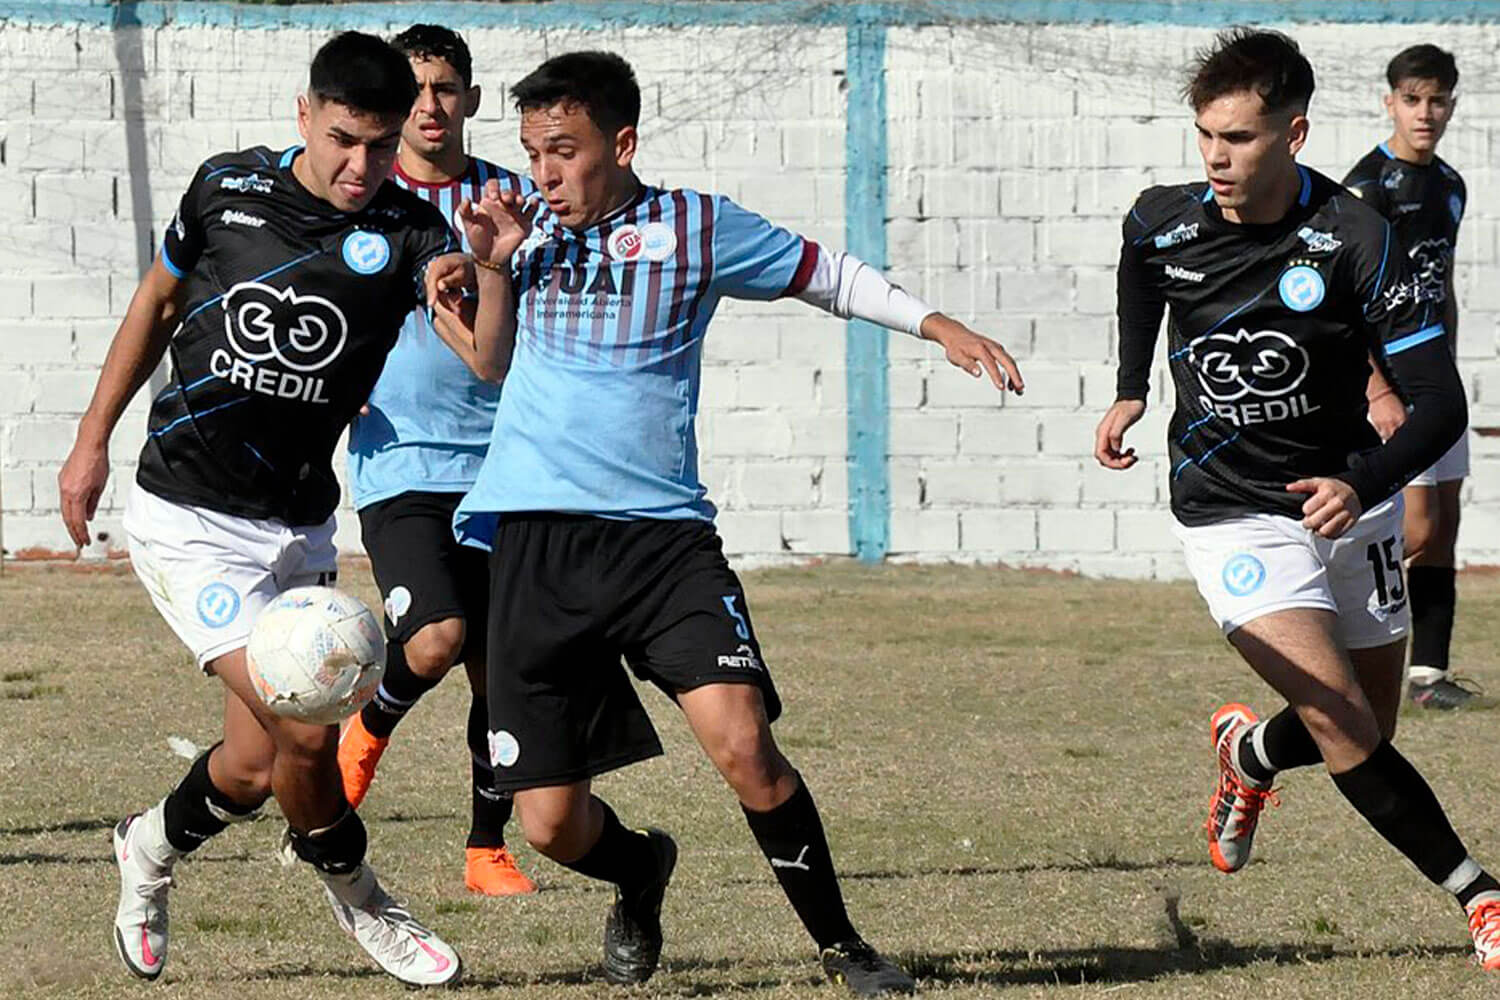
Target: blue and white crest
218,604
365,252
1301,288
1243,574
1456,206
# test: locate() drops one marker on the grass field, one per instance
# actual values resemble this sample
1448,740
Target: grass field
1013,768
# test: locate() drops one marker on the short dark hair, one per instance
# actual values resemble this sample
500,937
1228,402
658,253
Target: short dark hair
1423,62
363,73
1266,62
433,41
602,82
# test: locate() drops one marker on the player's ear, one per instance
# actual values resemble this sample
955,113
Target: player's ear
1389,100
1296,134
471,101
625,141
304,115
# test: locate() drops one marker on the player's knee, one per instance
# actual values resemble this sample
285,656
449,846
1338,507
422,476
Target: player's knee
302,744
748,759
561,835
1341,721
435,647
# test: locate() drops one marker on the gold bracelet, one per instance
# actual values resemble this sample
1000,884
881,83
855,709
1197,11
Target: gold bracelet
503,268
1380,395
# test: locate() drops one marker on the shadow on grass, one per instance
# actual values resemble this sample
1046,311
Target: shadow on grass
104,858
65,826
1112,964
1077,866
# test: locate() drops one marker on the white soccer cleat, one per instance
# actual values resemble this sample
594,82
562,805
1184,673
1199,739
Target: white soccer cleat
393,937
141,919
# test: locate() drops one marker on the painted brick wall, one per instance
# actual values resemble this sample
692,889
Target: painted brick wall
1013,153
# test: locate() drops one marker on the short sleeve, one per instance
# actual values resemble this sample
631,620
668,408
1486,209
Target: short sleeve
429,237
184,240
754,259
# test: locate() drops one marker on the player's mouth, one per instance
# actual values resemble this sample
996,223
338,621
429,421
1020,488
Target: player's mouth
353,190
558,207
1221,187
432,132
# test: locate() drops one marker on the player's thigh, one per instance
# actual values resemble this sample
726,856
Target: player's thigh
1253,566
1366,572
1421,523
424,575
730,723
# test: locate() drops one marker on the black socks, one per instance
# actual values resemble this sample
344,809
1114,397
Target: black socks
791,837
1432,600
399,690
196,810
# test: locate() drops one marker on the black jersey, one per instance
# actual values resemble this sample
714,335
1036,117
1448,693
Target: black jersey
1425,204
290,309
1270,331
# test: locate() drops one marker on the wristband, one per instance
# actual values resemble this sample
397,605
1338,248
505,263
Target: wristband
503,268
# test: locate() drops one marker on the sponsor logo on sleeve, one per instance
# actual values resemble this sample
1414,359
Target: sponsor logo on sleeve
1318,241
235,218
1183,274
247,184
1182,233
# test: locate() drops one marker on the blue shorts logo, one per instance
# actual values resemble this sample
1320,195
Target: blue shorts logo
366,253
218,604
1456,206
1301,288
1243,575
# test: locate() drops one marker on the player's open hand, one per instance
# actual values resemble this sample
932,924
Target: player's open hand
1332,506
80,484
974,353
1109,436
498,223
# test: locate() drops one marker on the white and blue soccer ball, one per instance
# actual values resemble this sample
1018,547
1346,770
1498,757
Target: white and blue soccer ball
316,655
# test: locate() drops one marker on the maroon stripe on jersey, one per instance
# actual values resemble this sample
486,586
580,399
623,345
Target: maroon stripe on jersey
653,294
573,268
680,275
805,268
705,264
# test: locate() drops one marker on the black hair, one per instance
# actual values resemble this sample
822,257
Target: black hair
433,41
600,81
1423,62
1266,62
363,73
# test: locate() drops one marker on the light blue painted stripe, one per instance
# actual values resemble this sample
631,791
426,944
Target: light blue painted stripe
865,349
259,277
742,13
192,416
1422,336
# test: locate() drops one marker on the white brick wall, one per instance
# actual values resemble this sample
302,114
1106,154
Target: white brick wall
1013,152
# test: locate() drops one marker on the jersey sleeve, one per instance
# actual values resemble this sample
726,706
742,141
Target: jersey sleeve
1366,186
429,237
1139,304
185,237
754,259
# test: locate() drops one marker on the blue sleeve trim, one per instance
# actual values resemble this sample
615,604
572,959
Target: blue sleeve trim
1385,255
1422,336
166,261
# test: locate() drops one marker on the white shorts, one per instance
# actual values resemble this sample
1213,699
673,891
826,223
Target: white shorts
1453,465
1256,564
211,574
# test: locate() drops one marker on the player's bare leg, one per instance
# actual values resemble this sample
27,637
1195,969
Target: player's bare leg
1298,653
730,723
575,829
1431,529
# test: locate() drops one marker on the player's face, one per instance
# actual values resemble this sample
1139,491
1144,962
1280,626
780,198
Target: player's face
436,124
1420,111
581,171
1247,152
349,153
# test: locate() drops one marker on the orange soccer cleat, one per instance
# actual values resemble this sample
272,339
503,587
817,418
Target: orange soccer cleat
359,752
492,871
1235,807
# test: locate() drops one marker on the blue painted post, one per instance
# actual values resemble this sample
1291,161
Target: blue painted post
864,235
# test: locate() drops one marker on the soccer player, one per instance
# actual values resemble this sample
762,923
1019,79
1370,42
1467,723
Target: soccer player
1406,181
1278,283
412,454
280,287
602,539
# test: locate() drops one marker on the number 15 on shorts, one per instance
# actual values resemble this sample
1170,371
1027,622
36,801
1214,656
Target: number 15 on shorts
1385,564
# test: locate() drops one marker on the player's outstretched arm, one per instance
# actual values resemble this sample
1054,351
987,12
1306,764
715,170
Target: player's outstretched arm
495,226
973,352
134,353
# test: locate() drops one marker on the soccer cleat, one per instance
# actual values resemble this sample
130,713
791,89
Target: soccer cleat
141,918
359,752
393,937
864,970
1484,925
1445,693
632,931
1235,807
492,871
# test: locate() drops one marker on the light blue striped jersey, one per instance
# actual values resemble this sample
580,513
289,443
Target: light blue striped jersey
599,404
430,417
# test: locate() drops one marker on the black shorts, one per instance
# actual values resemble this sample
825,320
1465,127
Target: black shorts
423,573
569,597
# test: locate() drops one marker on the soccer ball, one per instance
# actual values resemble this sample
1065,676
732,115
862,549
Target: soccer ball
316,655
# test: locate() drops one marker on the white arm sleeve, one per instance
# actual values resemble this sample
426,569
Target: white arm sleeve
849,288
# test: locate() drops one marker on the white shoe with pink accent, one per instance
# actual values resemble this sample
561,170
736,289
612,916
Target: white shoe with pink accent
141,919
393,937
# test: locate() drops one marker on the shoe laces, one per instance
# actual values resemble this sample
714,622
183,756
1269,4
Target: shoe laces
1245,800
1484,924
1465,683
